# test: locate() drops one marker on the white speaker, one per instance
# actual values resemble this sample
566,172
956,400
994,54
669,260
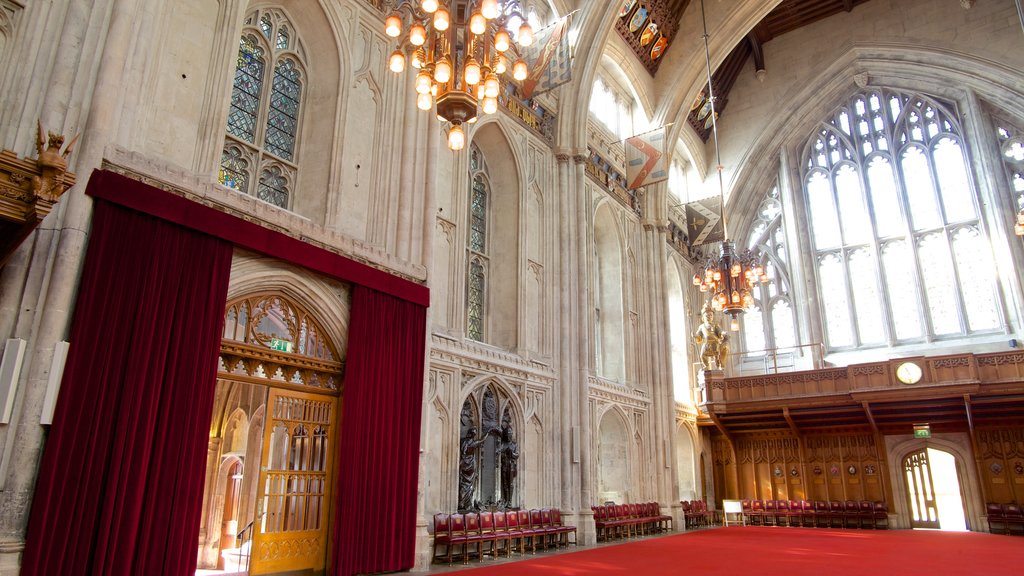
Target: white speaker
10,373
60,354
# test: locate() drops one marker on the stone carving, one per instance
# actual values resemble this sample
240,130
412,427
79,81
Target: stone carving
52,163
713,341
509,453
468,467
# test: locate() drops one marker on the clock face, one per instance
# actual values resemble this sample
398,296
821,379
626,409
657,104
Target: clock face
908,373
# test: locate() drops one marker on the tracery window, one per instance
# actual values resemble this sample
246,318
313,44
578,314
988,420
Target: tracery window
476,244
611,109
770,324
900,250
264,115
1011,148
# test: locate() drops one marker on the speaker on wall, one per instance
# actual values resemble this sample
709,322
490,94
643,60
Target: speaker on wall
10,373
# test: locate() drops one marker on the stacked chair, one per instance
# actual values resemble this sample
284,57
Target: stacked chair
480,533
1004,518
627,520
820,514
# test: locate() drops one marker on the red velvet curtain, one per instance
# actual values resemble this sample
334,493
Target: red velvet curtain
121,480
375,524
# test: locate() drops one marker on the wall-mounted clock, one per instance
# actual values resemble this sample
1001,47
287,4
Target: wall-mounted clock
909,373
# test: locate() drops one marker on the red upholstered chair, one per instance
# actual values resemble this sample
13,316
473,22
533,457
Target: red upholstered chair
822,514
996,519
458,537
836,514
851,514
599,522
442,534
880,515
473,535
1014,518
771,508
488,533
539,526
664,520
866,517
757,512
515,535
687,514
745,507
501,533
808,517
530,533
782,512
563,530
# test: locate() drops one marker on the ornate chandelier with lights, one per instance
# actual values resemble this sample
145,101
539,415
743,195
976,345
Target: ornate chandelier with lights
461,49
728,279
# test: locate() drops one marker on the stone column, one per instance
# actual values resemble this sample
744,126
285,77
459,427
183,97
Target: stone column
582,354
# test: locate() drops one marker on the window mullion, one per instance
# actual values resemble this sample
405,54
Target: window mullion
911,238
947,231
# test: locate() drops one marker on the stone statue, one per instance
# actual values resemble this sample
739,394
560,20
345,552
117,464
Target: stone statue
713,341
509,452
467,467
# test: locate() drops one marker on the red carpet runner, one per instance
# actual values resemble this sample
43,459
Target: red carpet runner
786,551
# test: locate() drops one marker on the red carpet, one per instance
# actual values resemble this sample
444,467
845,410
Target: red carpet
787,551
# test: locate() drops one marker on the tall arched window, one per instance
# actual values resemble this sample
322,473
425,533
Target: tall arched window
260,148
1011,148
611,109
770,324
476,245
900,251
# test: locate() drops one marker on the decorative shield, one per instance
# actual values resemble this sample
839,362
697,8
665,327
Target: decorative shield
626,7
659,48
705,110
649,33
710,120
697,101
638,19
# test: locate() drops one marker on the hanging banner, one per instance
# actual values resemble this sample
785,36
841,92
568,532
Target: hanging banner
645,158
548,59
704,221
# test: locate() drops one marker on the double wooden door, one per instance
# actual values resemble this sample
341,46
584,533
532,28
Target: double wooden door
294,493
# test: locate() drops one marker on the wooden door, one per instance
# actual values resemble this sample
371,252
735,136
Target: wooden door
924,512
290,533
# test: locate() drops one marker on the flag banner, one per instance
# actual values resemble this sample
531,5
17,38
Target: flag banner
704,221
645,158
548,59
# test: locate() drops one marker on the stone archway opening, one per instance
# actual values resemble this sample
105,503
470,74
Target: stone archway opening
933,491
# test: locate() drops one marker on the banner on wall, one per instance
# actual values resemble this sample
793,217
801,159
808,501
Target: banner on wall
548,59
704,221
645,158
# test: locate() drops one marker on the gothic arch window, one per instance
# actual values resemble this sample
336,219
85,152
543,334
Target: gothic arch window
1011,148
494,479
901,252
260,154
770,324
612,109
476,245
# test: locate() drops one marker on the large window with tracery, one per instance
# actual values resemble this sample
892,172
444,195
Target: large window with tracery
770,324
1011,149
611,109
476,244
260,154
900,250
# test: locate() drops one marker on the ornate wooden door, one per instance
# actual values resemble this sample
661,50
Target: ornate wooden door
294,499
924,513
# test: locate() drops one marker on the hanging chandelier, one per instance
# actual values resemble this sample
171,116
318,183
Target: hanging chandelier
729,278
461,49
1018,228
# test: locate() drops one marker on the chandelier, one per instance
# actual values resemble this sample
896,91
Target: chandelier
461,49
729,278
1018,228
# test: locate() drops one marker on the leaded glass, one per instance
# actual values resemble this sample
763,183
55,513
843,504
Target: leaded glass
903,280
475,302
266,25
783,323
283,39
772,325
1011,144
245,95
234,169
273,187
283,119
478,215
753,331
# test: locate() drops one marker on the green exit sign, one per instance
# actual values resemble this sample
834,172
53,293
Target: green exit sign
280,345
922,431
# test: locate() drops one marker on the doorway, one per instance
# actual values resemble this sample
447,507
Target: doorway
934,493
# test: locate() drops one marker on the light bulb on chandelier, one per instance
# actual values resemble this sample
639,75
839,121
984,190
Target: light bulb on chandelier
460,55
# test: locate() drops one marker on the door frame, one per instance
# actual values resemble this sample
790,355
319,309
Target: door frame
898,447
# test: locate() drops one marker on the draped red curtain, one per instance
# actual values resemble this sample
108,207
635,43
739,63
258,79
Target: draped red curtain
375,524
121,480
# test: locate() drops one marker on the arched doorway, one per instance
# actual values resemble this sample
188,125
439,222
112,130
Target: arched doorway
279,372
613,458
934,496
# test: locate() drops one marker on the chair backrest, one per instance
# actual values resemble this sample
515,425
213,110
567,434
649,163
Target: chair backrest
1012,511
881,507
556,517
782,506
487,521
807,505
993,509
820,506
442,523
458,523
536,520
770,505
621,511
865,507
852,506
512,520
472,522
545,515
500,523
524,519
757,506
685,504
745,505
835,506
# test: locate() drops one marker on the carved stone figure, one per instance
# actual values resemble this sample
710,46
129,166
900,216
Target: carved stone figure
713,341
467,467
509,464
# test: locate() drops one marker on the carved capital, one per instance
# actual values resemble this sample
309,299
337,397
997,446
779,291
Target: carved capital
579,159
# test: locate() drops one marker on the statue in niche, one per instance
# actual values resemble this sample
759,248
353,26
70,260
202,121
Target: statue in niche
467,466
713,341
509,452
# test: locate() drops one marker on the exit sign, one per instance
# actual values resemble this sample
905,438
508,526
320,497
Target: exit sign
922,431
280,345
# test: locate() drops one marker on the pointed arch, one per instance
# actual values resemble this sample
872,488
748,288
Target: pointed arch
609,296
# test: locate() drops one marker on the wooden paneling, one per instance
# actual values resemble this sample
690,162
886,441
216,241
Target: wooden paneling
1001,459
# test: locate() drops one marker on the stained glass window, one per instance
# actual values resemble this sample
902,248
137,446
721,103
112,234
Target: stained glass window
478,215
273,187
234,169
475,302
245,96
1011,146
263,125
283,119
476,244
895,224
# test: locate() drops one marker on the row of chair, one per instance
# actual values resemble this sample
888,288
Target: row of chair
1004,518
626,520
696,514
821,514
473,531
